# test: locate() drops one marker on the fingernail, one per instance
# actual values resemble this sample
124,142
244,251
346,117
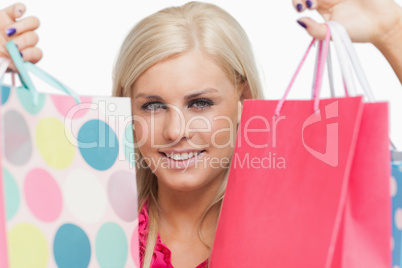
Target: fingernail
11,31
21,54
309,3
20,11
302,24
299,7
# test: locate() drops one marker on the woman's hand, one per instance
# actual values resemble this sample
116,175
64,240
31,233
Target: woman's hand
365,20
20,31
376,21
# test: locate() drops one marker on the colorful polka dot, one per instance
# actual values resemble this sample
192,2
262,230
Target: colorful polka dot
5,93
27,247
111,246
129,145
68,108
98,144
17,143
43,195
26,99
17,140
71,247
85,196
12,194
398,218
54,143
122,191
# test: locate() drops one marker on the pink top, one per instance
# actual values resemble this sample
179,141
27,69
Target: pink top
161,257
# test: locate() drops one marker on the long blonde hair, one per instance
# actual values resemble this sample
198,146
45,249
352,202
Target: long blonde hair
169,32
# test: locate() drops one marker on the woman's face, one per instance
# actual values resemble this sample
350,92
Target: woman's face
185,117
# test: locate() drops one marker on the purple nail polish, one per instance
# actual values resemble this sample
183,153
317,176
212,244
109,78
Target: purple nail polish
21,54
20,11
299,7
302,24
309,3
11,31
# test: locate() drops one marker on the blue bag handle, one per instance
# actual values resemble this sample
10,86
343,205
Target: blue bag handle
26,81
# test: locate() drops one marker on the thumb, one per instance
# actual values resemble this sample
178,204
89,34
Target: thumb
316,30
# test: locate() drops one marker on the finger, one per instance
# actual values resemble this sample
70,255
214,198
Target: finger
24,25
32,54
26,40
316,30
299,5
311,4
11,67
15,11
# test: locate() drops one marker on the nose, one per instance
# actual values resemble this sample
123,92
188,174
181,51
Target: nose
175,125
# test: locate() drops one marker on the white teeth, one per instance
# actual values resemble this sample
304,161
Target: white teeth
182,156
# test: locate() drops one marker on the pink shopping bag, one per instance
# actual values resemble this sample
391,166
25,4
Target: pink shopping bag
289,182
364,238
366,225
283,202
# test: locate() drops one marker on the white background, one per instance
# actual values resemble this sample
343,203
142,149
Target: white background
81,38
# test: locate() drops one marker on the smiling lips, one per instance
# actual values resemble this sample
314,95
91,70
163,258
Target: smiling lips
182,160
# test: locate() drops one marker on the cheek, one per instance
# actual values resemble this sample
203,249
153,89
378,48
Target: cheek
223,133
224,128
148,133
141,131
142,136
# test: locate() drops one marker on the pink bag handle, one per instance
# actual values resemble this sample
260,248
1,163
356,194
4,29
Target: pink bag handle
318,82
320,74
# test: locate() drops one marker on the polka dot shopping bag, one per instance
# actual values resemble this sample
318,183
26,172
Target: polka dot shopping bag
69,196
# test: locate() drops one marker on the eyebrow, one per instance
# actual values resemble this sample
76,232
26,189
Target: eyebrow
148,96
190,96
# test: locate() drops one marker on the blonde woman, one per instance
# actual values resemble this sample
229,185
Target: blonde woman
187,70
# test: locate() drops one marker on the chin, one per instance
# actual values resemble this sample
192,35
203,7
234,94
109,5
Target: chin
180,180
188,180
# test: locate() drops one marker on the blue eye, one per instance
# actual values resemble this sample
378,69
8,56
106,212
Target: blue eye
201,103
153,106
